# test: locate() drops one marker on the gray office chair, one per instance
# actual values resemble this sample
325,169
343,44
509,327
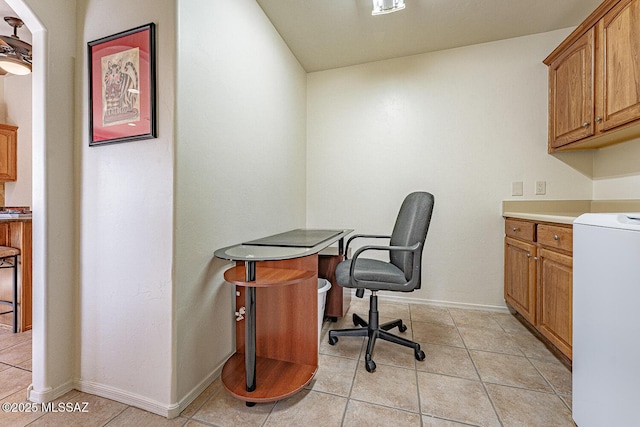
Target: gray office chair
401,274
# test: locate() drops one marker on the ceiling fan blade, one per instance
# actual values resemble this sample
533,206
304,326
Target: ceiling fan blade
16,44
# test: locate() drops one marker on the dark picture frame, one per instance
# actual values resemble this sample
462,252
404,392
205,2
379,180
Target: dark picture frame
122,87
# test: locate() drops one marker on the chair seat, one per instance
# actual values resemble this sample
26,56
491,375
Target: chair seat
371,271
6,251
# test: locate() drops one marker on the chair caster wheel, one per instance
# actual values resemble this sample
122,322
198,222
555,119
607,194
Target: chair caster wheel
402,327
333,340
370,365
420,355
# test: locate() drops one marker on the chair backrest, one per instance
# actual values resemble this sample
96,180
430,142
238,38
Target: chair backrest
410,228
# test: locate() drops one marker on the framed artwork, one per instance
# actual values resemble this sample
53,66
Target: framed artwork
122,87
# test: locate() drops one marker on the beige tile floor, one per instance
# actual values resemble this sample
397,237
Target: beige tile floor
481,369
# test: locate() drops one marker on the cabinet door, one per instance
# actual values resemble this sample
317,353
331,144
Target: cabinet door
8,146
571,93
555,294
619,38
520,277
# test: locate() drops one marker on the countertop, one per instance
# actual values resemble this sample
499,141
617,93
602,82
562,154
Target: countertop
564,211
558,218
15,219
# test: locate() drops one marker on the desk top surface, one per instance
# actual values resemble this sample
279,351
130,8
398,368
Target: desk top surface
288,245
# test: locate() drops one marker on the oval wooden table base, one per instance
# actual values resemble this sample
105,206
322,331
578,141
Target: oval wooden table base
275,379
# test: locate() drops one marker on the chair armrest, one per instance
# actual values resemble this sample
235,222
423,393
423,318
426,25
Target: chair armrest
367,236
414,249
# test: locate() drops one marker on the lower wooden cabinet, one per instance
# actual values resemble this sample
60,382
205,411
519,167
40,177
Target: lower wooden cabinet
538,279
555,297
520,277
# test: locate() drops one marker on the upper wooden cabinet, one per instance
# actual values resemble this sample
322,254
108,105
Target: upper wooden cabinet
571,93
594,80
8,148
619,65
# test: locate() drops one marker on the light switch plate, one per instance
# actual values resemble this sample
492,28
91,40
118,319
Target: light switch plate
541,188
516,188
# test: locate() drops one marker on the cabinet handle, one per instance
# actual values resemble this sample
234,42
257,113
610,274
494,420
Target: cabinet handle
585,125
556,237
528,255
515,230
598,119
535,258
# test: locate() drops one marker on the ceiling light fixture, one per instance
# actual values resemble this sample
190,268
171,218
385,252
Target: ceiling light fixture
381,7
15,55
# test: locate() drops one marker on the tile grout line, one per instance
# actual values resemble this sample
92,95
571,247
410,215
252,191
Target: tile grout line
555,390
353,380
473,362
415,365
115,416
529,359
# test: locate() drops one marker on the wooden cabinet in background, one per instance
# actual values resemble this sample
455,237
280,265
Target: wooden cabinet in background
8,148
538,278
594,80
17,233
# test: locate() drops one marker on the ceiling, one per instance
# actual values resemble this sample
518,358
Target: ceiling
325,34
7,30
5,10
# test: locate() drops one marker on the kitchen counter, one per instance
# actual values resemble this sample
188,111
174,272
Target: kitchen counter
558,218
563,211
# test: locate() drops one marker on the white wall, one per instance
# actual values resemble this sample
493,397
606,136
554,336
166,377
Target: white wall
125,318
53,29
617,171
240,165
462,124
18,112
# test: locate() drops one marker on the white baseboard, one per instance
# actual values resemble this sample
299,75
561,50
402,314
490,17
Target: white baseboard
447,304
131,399
168,411
200,387
48,394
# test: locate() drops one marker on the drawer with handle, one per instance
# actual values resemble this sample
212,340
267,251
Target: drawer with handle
555,236
518,229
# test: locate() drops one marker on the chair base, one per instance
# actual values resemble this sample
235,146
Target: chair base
373,330
13,303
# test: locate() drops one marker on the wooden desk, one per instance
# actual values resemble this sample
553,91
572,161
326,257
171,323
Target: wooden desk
17,233
338,298
276,325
